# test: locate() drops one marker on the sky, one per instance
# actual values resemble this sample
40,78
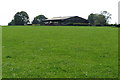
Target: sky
56,8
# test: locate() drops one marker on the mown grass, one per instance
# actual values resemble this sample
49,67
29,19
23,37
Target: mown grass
60,52
0,52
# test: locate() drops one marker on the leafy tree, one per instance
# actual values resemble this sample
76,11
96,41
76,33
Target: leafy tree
11,23
91,18
107,16
102,19
39,19
99,19
21,18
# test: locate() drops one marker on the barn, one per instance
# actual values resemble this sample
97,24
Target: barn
66,21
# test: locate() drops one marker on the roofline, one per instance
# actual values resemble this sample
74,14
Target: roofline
60,18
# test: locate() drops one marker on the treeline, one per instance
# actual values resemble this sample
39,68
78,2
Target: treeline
101,19
22,18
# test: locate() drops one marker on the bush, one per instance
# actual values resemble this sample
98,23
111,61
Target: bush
118,25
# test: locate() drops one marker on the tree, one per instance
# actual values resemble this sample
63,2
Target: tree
39,19
21,18
102,20
107,16
11,23
91,18
94,19
99,19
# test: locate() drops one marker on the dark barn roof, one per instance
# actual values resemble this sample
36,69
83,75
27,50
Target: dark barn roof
66,20
62,18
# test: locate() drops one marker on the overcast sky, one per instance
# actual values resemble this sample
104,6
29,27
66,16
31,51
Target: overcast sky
55,8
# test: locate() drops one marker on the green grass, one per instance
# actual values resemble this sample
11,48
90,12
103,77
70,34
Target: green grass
60,52
0,52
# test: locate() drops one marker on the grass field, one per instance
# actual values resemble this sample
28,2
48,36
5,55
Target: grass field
0,52
60,52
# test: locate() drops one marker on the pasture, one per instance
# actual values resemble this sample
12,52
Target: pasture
59,52
0,52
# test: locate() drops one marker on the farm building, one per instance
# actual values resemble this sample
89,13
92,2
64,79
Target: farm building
68,20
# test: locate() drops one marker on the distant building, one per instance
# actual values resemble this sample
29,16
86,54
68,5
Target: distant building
66,21
29,24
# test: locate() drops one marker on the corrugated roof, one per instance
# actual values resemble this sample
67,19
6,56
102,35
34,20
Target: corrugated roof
61,18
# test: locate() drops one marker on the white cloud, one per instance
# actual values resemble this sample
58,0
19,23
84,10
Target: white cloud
52,8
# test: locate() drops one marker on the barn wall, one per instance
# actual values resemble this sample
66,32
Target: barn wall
75,20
